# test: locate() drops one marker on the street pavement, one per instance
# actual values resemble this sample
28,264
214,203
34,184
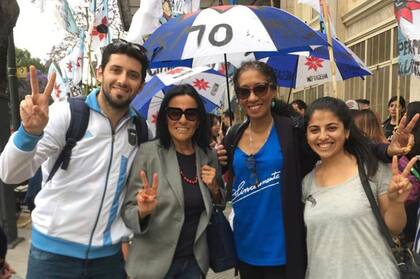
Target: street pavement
18,256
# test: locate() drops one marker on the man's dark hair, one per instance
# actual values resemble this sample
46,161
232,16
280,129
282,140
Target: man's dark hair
201,135
300,103
132,50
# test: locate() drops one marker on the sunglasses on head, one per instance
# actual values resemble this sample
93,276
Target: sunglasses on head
251,165
119,42
259,90
191,114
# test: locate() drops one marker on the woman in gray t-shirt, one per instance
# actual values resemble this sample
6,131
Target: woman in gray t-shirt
343,237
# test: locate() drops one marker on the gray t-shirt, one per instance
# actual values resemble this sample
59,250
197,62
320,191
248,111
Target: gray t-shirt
343,237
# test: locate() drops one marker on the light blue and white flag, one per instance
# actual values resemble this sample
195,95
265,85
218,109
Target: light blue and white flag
61,88
64,15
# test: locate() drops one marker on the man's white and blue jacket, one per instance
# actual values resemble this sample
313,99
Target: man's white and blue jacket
77,212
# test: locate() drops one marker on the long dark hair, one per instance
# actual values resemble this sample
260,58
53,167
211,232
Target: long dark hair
368,123
356,144
200,136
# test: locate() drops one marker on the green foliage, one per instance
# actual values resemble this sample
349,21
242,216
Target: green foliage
24,58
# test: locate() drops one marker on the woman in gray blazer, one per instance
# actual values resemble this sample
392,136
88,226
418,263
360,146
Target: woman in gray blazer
174,182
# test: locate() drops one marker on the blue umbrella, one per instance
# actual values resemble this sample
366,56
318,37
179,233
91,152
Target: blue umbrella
295,71
211,33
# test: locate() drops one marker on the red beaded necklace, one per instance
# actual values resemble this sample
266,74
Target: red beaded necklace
188,180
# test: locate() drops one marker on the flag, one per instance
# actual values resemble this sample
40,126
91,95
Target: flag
317,6
152,13
64,15
72,64
407,14
145,21
40,4
313,3
99,32
92,7
60,87
181,7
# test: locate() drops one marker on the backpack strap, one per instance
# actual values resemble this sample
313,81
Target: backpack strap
79,121
230,142
141,129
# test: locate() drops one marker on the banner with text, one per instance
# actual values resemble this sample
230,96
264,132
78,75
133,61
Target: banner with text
407,14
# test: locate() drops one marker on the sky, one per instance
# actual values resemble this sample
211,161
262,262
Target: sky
38,32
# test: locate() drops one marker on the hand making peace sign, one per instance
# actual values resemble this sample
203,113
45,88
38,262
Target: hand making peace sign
403,140
400,186
146,197
34,108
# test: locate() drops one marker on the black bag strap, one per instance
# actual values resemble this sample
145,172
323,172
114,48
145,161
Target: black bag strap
375,208
231,140
141,129
79,121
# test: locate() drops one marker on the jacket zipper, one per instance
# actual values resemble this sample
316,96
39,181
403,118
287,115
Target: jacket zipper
103,196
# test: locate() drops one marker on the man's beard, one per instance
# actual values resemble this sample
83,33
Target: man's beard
118,105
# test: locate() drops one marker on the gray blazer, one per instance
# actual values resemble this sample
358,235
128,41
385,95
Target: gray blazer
153,246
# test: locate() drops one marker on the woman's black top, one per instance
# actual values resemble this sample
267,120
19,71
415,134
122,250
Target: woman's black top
193,206
388,128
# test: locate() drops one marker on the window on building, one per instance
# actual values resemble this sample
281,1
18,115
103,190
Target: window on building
380,53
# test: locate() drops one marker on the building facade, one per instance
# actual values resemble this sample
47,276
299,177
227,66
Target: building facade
369,28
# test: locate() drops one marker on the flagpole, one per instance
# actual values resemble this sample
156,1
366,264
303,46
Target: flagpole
227,87
290,93
227,80
330,45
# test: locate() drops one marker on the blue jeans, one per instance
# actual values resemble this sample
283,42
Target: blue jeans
186,268
45,265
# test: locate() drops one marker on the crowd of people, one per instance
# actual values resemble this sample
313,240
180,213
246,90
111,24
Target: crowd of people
125,209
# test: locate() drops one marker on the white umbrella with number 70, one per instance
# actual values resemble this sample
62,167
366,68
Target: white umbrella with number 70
226,33
207,35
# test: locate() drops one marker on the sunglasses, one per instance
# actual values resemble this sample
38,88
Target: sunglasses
175,114
120,42
259,90
251,165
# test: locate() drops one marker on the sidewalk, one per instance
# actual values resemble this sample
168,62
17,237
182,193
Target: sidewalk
18,256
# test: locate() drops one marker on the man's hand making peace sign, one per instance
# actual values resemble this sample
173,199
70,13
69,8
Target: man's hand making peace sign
34,108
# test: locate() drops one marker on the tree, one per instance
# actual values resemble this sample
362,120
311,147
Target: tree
24,59
9,12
